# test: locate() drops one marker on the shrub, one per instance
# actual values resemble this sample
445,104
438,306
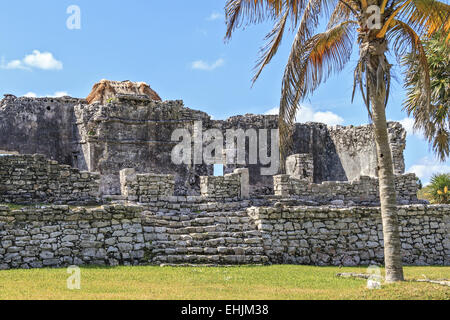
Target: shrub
440,188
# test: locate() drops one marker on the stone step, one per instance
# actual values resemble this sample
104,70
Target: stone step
114,198
209,251
210,259
209,228
211,243
176,216
165,236
198,222
201,222
185,224
203,265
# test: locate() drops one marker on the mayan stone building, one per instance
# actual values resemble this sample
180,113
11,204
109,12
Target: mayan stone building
124,124
100,188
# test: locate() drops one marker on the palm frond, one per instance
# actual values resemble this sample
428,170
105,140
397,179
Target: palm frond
308,24
310,18
387,24
359,80
239,12
271,48
341,12
311,63
440,142
433,122
426,16
244,12
404,37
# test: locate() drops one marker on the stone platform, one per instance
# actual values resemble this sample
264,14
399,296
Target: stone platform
216,234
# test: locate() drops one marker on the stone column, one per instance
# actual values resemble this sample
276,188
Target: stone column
282,185
300,166
245,182
127,177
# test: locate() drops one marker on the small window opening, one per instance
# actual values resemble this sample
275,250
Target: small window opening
218,170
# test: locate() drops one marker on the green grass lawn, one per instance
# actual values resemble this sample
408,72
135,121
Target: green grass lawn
271,282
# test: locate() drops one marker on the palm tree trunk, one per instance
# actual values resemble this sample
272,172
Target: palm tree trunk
377,73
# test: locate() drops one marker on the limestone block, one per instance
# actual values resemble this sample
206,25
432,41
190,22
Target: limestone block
300,166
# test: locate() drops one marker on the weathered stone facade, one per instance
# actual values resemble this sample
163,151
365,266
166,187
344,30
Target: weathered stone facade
352,236
107,90
300,166
39,126
134,131
145,187
232,186
322,212
58,236
215,233
339,153
362,191
345,153
26,179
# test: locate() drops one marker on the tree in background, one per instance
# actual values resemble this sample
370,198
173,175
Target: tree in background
435,123
379,25
438,191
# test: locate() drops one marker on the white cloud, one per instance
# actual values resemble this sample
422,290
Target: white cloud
202,65
57,94
44,60
408,124
30,95
273,111
15,64
427,167
327,117
215,16
37,59
307,114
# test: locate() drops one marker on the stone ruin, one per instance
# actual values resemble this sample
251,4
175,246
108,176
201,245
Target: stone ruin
132,129
109,158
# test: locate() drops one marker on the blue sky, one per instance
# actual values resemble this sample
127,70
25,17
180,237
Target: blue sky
178,48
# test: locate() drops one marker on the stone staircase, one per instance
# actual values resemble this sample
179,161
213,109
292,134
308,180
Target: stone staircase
203,238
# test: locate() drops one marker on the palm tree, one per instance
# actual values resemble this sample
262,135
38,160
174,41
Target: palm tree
435,124
379,25
439,188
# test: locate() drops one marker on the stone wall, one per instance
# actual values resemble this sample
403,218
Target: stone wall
57,236
135,132
259,184
352,236
39,126
339,153
356,152
227,187
362,191
26,179
300,166
231,186
215,233
147,187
